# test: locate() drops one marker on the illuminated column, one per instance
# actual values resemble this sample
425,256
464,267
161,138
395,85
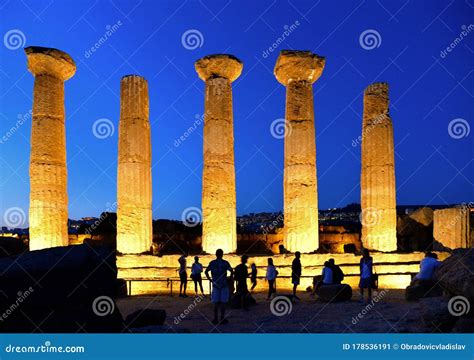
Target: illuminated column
218,180
378,199
134,212
298,70
48,214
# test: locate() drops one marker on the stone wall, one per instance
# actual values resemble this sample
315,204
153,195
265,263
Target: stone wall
395,270
451,228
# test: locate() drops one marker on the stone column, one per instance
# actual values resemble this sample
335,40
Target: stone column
134,212
298,70
48,215
451,228
378,197
218,180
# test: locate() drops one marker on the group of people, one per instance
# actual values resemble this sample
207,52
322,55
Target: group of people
218,270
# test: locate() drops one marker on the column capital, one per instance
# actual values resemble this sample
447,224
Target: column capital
49,61
219,65
298,65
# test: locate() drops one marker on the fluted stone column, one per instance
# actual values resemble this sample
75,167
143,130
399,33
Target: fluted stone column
134,212
298,70
378,193
451,228
48,214
218,180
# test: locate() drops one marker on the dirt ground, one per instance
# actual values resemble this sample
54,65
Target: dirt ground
388,312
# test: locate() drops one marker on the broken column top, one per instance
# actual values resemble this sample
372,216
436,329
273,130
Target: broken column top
219,65
49,61
379,89
298,65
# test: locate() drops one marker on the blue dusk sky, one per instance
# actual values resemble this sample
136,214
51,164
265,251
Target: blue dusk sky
404,43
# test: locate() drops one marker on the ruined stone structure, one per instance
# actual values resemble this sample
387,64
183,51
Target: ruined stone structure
134,213
48,214
298,70
451,228
218,180
378,199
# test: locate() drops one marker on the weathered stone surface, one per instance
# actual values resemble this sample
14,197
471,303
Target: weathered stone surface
415,231
451,228
219,66
134,193
298,66
422,289
378,198
218,182
57,288
48,214
298,70
334,293
456,273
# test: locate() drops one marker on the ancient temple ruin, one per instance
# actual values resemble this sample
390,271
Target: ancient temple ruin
48,215
134,193
377,181
451,228
298,70
218,178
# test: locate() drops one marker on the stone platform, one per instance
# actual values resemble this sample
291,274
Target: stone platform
394,269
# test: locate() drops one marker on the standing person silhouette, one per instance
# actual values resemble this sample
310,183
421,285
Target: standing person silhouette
183,275
271,276
220,290
366,272
196,271
241,275
296,273
253,276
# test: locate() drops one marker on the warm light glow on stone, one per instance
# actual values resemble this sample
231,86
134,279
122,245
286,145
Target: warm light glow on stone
48,214
219,229
298,70
378,198
451,227
134,194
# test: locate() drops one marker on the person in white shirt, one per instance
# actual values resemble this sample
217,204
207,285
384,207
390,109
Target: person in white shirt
196,275
271,276
327,274
427,267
